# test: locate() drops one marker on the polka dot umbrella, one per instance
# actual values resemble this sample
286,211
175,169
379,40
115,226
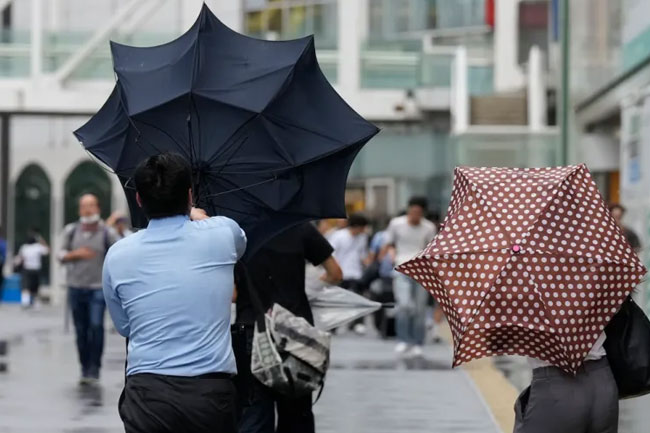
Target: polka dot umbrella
528,262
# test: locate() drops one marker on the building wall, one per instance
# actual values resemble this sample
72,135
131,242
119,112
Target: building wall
48,142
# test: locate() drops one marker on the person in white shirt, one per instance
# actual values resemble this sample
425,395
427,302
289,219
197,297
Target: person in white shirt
409,235
30,257
351,252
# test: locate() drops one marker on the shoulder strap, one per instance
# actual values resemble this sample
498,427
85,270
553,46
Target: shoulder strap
106,240
70,236
256,301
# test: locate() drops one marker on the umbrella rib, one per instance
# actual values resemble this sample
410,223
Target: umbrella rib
241,188
151,125
245,197
555,191
230,141
282,120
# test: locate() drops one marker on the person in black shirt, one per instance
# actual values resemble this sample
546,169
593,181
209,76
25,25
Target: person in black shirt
277,272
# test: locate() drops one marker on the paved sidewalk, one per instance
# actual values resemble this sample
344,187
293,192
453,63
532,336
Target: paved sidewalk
368,389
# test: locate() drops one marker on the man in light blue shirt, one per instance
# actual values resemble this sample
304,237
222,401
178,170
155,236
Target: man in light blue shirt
168,289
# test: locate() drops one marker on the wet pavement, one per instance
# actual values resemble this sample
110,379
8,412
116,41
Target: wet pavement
368,389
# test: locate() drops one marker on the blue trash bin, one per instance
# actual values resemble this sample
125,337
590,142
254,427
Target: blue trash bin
11,291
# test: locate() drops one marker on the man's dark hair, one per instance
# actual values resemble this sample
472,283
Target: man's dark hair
419,201
617,206
162,182
357,220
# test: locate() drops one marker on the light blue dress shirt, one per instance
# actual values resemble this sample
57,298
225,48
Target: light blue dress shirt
169,288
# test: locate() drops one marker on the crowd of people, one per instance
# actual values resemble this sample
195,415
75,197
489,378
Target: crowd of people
179,350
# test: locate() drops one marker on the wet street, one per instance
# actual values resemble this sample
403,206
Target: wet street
367,389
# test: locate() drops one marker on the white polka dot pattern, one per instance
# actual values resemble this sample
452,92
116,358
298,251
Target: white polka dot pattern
528,262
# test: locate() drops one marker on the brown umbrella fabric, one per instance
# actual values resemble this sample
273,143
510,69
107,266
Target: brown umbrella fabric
528,262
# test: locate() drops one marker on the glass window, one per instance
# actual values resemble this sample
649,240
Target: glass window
255,24
274,21
296,25
401,12
390,17
325,25
290,19
376,18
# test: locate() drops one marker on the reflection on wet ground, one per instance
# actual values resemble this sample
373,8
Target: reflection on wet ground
368,390
416,363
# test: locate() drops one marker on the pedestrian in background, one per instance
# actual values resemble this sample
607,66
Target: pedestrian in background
408,235
618,211
351,252
379,277
169,289
30,258
120,223
277,272
85,244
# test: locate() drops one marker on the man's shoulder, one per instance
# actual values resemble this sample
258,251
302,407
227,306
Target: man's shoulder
399,221
125,244
339,235
218,222
69,228
428,224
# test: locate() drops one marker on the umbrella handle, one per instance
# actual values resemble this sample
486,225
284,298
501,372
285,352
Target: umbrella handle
387,305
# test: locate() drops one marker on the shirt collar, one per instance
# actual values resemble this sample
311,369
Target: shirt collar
173,221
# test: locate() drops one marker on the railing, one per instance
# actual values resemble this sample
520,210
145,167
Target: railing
507,147
59,46
384,64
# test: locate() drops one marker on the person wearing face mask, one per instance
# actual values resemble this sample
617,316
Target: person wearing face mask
85,244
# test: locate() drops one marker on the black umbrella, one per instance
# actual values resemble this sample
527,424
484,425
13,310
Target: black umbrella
269,140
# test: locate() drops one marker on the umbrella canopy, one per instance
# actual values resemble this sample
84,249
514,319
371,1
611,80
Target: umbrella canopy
528,262
269,140
333,307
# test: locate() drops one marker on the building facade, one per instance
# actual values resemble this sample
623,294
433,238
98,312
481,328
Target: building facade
612,105
462,82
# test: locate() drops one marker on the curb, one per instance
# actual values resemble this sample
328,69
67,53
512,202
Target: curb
498,394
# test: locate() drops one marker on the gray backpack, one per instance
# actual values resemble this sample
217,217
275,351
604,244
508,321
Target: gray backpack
289,355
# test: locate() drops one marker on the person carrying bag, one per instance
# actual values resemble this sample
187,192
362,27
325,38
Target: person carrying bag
628,350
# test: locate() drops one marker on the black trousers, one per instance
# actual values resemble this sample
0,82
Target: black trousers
152,403
294,415
31,281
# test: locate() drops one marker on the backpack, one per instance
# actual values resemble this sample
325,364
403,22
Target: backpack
289,355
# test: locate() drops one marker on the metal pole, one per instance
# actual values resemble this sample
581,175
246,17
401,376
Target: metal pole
37,39
4,170
564,140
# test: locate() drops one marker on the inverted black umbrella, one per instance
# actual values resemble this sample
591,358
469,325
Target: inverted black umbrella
269,140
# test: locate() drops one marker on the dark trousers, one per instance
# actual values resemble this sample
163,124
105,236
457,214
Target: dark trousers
153,403
31,282
294,414
259,403
562,403
88,308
